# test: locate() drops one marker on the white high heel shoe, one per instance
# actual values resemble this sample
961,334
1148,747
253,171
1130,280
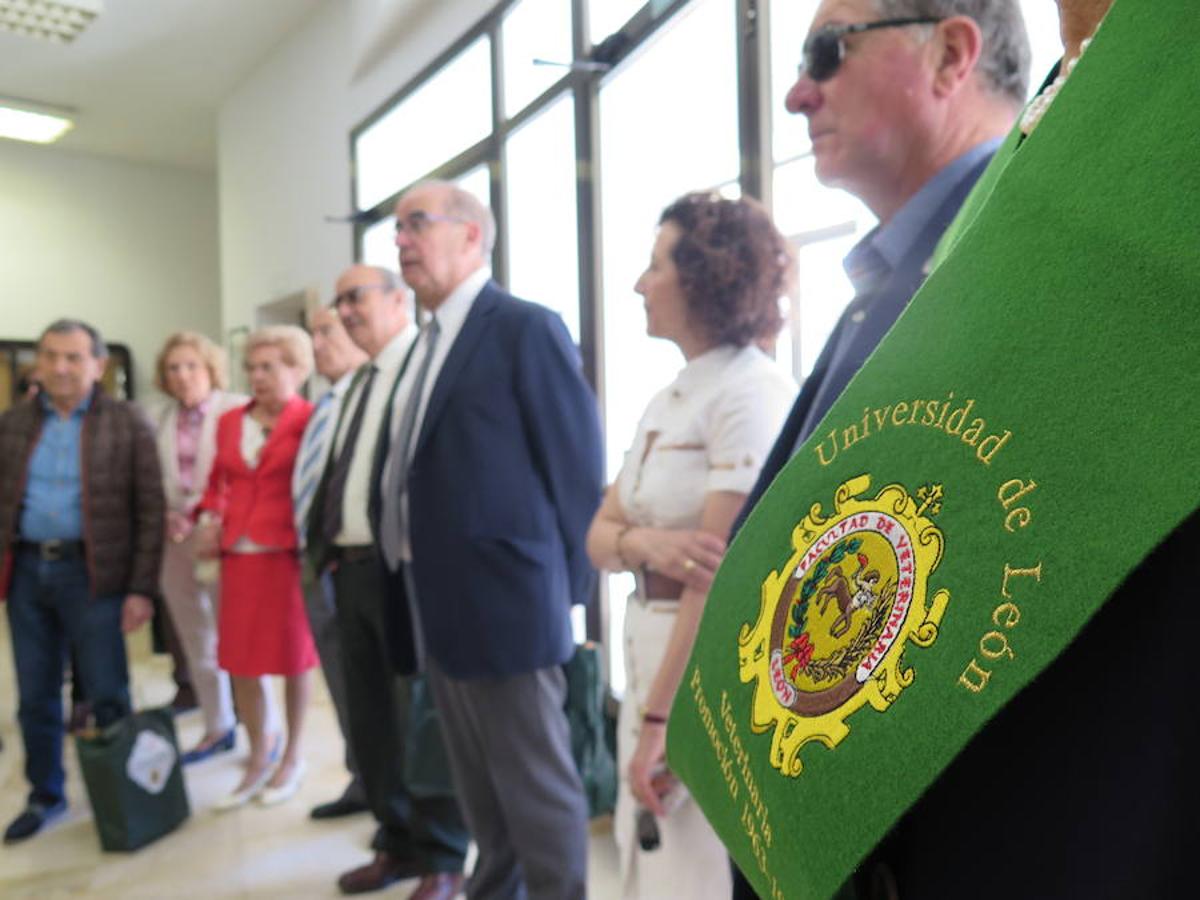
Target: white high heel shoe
234,799
269,796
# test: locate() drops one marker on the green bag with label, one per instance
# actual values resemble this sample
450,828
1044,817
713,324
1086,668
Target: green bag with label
591,742
134,779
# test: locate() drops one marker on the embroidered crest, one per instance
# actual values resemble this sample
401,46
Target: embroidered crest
836,619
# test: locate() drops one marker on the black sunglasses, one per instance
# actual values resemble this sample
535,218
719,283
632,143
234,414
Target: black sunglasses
826,47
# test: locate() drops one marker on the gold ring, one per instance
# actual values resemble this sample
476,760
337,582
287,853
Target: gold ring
688,565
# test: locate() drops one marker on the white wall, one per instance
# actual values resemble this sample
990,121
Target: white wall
284,142
130,247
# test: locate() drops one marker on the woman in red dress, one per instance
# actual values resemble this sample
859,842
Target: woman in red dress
247,513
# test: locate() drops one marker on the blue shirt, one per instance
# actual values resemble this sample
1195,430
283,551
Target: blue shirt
53,502
873,260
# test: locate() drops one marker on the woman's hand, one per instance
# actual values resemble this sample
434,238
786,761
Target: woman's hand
691,557
207,543
179,526
648,759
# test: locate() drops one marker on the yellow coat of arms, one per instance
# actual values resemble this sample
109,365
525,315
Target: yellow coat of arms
835,620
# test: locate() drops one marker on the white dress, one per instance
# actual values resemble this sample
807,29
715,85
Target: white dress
710,430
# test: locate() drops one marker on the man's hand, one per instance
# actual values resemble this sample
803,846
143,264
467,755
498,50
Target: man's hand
136,612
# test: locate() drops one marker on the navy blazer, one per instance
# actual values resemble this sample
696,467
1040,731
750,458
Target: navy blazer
506,474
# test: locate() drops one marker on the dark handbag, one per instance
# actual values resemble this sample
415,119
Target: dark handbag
591,729
134,779
426,766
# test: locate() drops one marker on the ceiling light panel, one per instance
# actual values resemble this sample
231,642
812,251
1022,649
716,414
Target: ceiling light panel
58,21
38,128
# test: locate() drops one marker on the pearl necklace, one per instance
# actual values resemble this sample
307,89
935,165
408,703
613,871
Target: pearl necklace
1038,106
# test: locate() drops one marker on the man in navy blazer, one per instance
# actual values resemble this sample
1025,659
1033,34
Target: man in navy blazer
490,474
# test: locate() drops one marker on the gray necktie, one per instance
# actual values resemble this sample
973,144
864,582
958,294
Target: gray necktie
395,477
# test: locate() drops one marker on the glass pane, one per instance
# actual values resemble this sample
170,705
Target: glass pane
789,24
534,29
1045,42
655,145
543,253
418,135
823,223
477,181
607,16
379,244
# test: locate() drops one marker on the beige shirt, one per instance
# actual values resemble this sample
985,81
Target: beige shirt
710,430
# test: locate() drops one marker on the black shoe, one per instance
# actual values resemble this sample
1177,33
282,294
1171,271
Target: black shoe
30,822
344,805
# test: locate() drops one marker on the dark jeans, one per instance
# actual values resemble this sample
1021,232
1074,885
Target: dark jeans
51,611
415,825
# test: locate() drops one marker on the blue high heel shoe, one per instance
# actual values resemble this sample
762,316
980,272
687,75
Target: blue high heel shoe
223,744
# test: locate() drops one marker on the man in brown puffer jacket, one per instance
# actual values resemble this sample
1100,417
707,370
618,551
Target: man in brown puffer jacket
81,533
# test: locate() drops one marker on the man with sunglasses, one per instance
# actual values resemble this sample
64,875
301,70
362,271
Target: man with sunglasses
421,831
906,101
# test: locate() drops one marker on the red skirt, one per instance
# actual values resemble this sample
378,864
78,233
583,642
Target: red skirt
262,626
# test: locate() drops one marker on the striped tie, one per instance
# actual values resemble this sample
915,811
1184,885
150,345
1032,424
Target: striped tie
314,448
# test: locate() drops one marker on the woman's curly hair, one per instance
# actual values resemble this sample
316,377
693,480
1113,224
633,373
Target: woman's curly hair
733,266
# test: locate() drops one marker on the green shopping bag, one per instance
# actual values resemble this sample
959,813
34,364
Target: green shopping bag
134,779
591,743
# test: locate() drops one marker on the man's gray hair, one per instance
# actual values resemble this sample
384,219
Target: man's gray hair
1005,58
462,204
70,326
389,279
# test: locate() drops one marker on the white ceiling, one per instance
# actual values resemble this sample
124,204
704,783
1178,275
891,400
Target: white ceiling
148,76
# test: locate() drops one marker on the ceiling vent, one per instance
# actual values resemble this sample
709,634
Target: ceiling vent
58,21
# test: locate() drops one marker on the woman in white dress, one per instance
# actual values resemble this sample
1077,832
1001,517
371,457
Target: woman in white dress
716,274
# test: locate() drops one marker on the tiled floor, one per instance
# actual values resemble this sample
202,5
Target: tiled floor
252,852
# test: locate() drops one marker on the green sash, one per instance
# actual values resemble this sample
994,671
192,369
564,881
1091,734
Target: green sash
1026,434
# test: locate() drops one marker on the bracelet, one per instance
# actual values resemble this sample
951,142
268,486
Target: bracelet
654,719
620,553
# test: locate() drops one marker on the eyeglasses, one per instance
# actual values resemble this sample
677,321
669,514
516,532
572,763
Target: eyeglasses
353,296
416,223
825,48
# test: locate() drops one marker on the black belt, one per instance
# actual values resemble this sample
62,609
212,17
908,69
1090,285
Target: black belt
357,553
52,551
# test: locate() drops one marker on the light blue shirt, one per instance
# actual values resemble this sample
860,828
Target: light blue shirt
53,502
870,265
874,257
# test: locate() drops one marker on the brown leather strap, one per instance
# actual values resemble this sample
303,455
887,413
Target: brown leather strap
660,587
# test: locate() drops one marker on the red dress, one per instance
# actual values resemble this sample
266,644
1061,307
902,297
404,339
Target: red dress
262,626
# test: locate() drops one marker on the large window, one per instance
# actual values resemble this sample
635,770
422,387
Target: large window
537,45
439,119
543,249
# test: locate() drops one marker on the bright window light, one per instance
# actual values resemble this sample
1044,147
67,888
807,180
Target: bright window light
39,128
